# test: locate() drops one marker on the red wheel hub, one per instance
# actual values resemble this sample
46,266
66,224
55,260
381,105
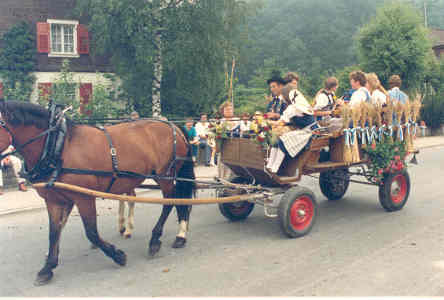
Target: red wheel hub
398,189
301,213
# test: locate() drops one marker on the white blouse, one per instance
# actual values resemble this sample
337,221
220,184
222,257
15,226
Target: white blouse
378,97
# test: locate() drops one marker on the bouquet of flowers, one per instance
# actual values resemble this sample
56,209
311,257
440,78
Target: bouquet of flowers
219,131
386,157
261,131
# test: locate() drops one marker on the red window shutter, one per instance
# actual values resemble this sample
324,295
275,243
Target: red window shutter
43,31
82,39
44,90
1,90
85,97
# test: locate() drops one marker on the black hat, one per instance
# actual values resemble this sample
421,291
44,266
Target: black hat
276,79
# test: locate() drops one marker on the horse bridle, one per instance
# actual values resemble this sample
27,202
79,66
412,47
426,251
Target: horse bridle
18,148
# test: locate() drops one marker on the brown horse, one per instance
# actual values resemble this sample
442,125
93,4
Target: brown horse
143,146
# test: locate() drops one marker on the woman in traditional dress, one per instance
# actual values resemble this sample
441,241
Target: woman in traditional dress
325,100
300,115
378,94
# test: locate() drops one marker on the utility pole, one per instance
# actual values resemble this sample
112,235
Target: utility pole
425,13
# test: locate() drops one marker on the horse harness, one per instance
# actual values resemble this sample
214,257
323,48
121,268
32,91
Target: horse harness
50,164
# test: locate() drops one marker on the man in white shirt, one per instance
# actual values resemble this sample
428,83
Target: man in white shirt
202,133
358,81
16,164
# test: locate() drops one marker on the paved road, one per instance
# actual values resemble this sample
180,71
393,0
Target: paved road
356,249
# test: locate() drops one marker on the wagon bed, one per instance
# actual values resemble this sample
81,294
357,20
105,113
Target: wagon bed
247,159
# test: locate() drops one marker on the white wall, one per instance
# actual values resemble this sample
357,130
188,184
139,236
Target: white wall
79,77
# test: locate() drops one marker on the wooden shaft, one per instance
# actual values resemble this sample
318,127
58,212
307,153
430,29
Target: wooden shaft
164,201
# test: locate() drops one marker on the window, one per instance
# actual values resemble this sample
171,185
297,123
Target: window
62,38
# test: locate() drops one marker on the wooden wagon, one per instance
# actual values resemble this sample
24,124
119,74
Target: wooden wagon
294,205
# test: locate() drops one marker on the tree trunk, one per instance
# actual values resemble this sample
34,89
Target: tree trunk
157,80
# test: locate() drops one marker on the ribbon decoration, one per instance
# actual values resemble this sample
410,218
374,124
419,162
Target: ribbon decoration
353,136
400,133
407,125
381,132
347,136
374,134
364,137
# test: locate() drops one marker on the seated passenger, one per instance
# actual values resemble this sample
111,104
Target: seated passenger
395,93
378,94
277,105
358,82
292,78
325,100
299,114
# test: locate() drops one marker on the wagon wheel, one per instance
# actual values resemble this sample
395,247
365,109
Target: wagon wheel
297,211
236,211
394,190
334,183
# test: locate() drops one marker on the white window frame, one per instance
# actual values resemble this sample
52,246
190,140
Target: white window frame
63,22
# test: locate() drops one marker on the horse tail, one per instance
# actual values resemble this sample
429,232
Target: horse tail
185,188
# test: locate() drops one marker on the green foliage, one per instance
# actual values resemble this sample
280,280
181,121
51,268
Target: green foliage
17,61
197,38
311,37
435,12
103,101
395,42
433,92
386,157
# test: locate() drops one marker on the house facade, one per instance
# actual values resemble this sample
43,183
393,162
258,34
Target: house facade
437,36
59,36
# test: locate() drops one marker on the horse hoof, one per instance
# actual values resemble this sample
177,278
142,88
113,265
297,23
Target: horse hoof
122,230
179,242
154,248
43,278
127,235
120,258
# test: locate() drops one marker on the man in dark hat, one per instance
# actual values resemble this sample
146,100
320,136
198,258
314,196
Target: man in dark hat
276,106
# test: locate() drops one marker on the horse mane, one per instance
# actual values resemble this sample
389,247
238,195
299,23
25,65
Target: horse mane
27,114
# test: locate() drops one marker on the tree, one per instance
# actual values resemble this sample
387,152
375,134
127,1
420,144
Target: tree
180,44
395,42
17,61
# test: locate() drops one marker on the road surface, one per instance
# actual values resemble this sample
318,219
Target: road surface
355,249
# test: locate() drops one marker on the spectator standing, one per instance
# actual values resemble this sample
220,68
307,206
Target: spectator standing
203,136
16,164
134,115
192,137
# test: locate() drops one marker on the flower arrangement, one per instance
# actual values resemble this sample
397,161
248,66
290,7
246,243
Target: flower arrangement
219,131
261,131
386,157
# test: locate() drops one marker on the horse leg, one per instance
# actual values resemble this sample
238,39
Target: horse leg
183,213
121,217
130,225
58,213
155,242
88,213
